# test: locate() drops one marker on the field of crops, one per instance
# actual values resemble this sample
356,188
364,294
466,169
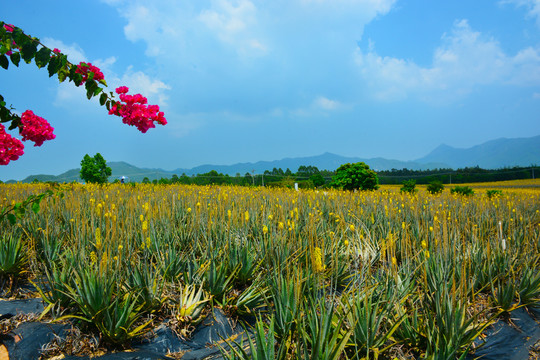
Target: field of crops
318,274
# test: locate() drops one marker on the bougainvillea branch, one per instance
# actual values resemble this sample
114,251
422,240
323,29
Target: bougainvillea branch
16,45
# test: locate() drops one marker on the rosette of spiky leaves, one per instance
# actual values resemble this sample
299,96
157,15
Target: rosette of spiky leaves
323,334
529,287
217,279
504,292
449,329
249,301
371,318
145,280
263,348
101,302
287,293
190,303
118,322
54,287
172,263
13,259
244,262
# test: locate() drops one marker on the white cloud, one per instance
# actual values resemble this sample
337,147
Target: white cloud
326,104
532,6
234,24
465,60
376,6
139,82
74,52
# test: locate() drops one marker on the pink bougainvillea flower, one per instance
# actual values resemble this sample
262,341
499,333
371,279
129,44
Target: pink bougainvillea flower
85,68
35,128
10,147
134,111
56,51
9,27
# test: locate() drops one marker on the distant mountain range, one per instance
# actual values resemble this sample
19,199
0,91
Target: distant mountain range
493,154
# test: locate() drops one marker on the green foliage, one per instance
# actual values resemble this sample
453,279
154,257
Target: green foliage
355,176
435,187
28,48
493,193
95,169
462,190
13,259
409,186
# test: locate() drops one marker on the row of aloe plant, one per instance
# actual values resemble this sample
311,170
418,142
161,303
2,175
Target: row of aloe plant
336,275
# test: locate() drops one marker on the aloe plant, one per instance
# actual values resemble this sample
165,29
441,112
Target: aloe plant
323,334
146,281
250,301
217,280
449,329
190,303
101,302
529,287
287,295
371,319
263,348
13,260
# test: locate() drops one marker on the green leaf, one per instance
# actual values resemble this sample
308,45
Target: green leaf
28,52
35,207
15,58
54,66
90,88
102,99
4,62
12,218
43,56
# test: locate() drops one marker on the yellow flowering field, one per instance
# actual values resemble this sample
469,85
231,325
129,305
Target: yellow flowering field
390,274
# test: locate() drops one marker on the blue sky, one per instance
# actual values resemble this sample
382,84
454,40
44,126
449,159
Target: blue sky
248,80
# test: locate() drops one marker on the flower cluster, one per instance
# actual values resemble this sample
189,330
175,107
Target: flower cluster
10,147
9,28
35,128
133,110
85,68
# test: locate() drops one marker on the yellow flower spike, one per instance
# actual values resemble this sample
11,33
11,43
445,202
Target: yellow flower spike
98,238
351,227
120,247
229,214
145,225
346,242
424,244
246,215
188,209
265,229
427,254
148,242
141,217
93,258
403,225
280,226
394,261
316,260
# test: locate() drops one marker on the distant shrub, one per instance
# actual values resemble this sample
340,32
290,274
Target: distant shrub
492,193
435,187
355,176
409,186
462,190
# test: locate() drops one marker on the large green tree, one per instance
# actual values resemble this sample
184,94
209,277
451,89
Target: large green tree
355,176
95,169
